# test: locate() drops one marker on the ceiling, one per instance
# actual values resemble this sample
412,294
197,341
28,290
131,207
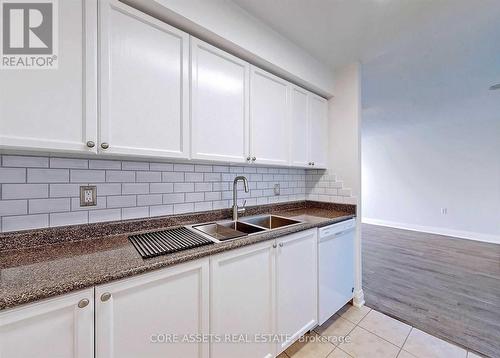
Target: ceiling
338,32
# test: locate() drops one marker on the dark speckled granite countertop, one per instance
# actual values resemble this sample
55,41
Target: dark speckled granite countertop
58,262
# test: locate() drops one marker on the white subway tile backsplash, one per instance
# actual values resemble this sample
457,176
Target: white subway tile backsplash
162,167
69,163
183,168
25,222
87,176
203,168
135,166
69,218
12,175
64,190
48,175
24,191
193,177
161,210
121,201
203,206
13,207
133,189
203,187
183,208
210,177
212,196
183,187
118,176
39,206
148,177
105,164
173,198
105,215
172,177
149,199
136,212
192,197
24,162
75,204
104,189
161,187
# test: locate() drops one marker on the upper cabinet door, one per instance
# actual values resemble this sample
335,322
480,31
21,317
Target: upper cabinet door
318,131
269,125
55,109
219,104
299,128
144,84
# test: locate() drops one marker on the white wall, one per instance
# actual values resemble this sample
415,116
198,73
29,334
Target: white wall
431,130
344,148
228,26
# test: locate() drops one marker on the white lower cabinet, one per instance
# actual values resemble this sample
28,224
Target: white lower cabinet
242,301
297,285
149,315
265,292
61,327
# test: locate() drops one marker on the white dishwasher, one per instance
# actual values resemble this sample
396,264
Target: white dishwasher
336,267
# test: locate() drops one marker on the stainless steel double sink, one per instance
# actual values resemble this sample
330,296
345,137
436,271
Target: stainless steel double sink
226,230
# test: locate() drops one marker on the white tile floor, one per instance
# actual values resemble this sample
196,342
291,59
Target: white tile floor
363,332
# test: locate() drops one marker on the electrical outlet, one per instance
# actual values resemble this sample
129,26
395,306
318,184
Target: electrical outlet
276,189
88,195
444,211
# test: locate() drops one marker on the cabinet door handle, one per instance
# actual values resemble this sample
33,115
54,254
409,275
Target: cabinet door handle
281,244
248,158
254,159
83,303
105,296
312,163
274,246
104,145
90,144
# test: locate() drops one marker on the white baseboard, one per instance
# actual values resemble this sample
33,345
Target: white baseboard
476,236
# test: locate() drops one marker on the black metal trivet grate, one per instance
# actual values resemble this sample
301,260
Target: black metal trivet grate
167,241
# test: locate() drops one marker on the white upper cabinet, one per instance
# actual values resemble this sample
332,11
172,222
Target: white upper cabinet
318,131
298,128
269,124
61,327
219,104
134,315
55,109
144,83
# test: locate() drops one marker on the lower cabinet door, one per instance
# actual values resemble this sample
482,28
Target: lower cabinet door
158,314
61,327
297,285
242,302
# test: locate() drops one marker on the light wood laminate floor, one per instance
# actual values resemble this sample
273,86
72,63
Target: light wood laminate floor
447,287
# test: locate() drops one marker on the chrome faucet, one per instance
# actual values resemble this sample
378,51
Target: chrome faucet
236,209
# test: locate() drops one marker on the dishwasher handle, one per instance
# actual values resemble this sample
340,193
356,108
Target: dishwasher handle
326,235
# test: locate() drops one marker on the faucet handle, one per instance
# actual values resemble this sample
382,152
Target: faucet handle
241,209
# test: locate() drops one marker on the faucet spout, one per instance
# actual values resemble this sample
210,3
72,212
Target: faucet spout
237,209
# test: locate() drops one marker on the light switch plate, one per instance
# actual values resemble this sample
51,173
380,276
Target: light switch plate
88,195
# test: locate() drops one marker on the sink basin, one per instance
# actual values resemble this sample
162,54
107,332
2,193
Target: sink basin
270,221
227,230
